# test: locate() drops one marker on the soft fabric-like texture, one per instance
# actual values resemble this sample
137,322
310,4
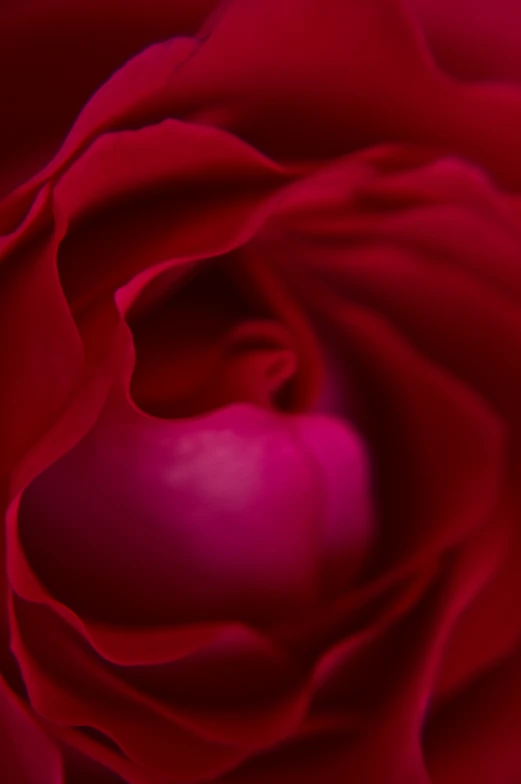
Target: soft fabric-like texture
260,339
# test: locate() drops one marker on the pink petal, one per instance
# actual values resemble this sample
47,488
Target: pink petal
222,515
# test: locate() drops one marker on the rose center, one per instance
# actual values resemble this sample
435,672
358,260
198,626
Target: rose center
210,343
211,490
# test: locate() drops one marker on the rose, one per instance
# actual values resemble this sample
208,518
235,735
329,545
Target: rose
260,328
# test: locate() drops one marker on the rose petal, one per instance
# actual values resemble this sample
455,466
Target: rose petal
202,537
475,321
300,50
473,39
305,760
411,244
207,346
57,55
81,769
474,737
330,97
349,527
173,190
489,628
27,756
184,714
40,349
389,681
145,741
447,461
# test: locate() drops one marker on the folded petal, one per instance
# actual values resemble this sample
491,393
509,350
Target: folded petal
170,191
58,54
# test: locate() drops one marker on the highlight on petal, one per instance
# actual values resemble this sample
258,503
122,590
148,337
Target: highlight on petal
225,516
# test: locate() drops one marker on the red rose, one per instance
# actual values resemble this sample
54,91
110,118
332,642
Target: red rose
260,339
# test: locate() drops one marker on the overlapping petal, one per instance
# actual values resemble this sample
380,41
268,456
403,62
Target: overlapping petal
117,597
57,54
